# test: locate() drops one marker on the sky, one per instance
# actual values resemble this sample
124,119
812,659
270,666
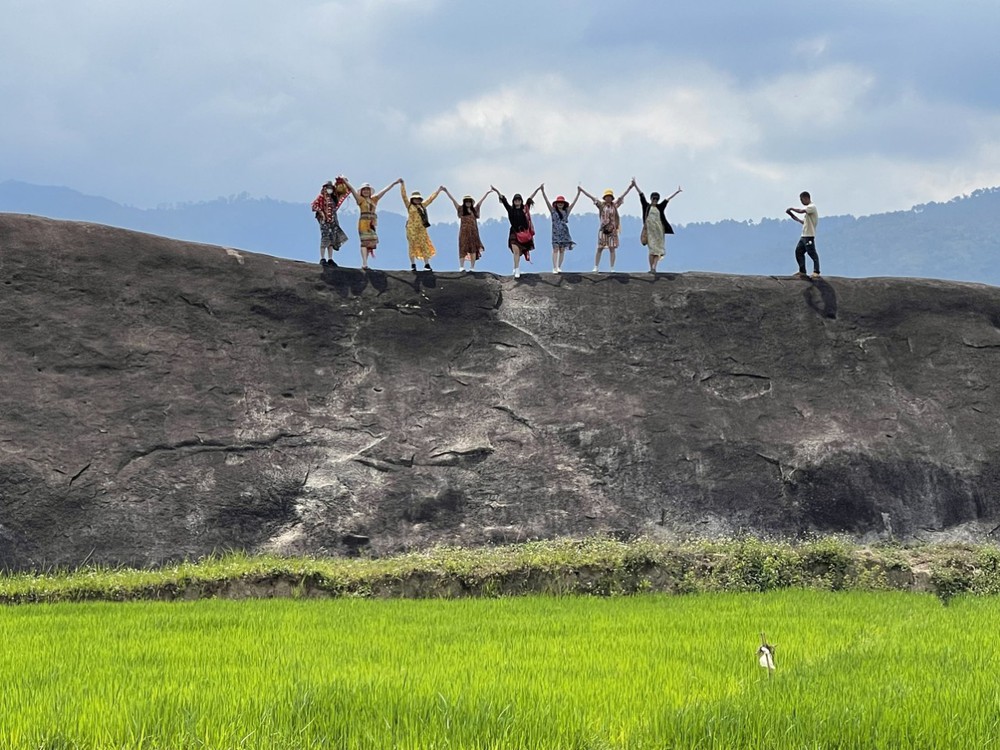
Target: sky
872,105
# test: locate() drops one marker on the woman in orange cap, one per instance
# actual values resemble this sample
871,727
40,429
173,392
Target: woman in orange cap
470,246
561,241
610,223
367,218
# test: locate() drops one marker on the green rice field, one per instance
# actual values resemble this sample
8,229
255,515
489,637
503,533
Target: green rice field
854,670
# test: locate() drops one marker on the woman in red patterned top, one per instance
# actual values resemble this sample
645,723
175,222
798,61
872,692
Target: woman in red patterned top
331,236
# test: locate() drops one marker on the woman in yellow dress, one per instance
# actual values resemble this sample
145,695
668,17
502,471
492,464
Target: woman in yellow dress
417,222
367,218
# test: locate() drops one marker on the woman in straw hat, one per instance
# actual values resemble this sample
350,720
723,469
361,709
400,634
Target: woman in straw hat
610,223
367,218
561,241
417,238
470,246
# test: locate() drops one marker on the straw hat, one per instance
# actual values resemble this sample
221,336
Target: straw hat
415,195
365,186
468,198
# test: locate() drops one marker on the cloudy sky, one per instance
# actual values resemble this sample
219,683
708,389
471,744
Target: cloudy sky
873,105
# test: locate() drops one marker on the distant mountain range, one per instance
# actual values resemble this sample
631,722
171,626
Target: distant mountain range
958,239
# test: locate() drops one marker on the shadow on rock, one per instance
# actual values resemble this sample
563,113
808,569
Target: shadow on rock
821,297
347,282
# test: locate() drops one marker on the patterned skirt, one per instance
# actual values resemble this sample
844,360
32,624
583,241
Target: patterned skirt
330,234
367,222
469,243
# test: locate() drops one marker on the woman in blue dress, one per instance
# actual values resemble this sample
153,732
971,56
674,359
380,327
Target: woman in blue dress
561,241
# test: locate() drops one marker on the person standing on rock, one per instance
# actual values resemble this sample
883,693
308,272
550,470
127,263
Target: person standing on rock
521,239
561,240
417,238
368,218
610,223
331,236
470,246
655,226
807,242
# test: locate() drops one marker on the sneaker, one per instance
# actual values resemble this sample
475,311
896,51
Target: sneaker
595,270
331,263
815,274
322,261
427,267
517,273
800,275
556,270
612,269
413,267
464,269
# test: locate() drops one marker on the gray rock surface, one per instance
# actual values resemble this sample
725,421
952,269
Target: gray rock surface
164,399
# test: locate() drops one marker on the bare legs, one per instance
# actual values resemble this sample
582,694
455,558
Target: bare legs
364,257
558,256
654,260
472,262
517,260
597,258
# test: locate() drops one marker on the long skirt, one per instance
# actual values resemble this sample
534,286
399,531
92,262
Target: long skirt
469,243
419,241
655,237
366,231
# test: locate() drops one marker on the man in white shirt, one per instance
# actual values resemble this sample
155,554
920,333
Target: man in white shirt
807,242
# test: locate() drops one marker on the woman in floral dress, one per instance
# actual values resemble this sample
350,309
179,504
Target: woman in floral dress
417,238
561,241
368,219
470,246
610,223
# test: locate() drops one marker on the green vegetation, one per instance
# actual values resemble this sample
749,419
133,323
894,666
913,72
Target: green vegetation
855,669
592,566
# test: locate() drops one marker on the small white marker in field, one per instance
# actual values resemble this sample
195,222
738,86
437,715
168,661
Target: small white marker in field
765,655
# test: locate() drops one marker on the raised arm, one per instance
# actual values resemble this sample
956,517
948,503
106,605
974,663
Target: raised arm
532,196
430,198
575,199
546,198
677,192
378,196
580,188
621,198
485,196
353,192
453,201
503,198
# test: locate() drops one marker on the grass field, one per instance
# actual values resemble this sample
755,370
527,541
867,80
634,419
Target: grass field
855,670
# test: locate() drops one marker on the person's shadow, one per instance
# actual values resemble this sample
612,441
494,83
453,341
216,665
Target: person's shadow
821,297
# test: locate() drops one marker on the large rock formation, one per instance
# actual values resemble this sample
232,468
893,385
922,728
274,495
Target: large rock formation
163,399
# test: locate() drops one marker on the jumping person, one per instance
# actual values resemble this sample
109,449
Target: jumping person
807,242
470,246
610,223
331,236
521,238
655,226
367,218
561,241
417,238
